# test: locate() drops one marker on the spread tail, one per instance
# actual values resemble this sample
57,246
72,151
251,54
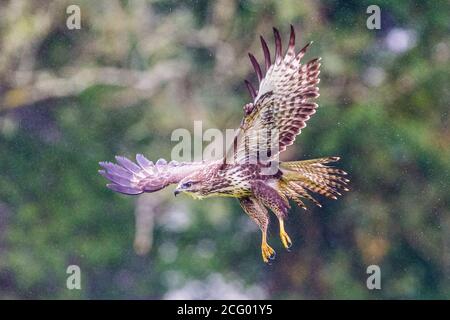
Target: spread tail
299,177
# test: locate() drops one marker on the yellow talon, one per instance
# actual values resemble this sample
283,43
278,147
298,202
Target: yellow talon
287,243
267,252
285,239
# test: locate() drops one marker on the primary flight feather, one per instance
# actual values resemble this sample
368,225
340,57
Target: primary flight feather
250,170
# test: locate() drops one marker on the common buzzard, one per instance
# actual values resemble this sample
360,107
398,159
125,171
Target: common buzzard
279,109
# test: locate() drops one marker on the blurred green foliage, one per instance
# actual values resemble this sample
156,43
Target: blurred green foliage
383,109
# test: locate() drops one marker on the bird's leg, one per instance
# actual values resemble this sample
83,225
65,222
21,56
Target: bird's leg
285,239
258,213
267,251
278,204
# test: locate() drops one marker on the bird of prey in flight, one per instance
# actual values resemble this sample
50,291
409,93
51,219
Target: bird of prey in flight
279,110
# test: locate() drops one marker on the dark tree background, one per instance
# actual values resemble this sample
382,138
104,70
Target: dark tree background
137,70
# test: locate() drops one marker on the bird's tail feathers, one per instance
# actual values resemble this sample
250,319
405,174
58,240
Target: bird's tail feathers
314,175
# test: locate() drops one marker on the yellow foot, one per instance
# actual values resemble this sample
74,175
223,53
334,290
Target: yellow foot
287,243
267,252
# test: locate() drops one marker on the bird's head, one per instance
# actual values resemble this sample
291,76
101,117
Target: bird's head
201,184
189,186
193,185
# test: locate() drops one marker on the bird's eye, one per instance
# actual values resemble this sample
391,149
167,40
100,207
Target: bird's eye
187,185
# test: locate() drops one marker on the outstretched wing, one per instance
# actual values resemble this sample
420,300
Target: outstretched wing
282,104
144,176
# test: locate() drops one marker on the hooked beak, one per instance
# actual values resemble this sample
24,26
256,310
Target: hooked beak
176,192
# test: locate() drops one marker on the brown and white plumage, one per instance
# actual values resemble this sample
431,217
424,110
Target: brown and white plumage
145,176
279,110
282,104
